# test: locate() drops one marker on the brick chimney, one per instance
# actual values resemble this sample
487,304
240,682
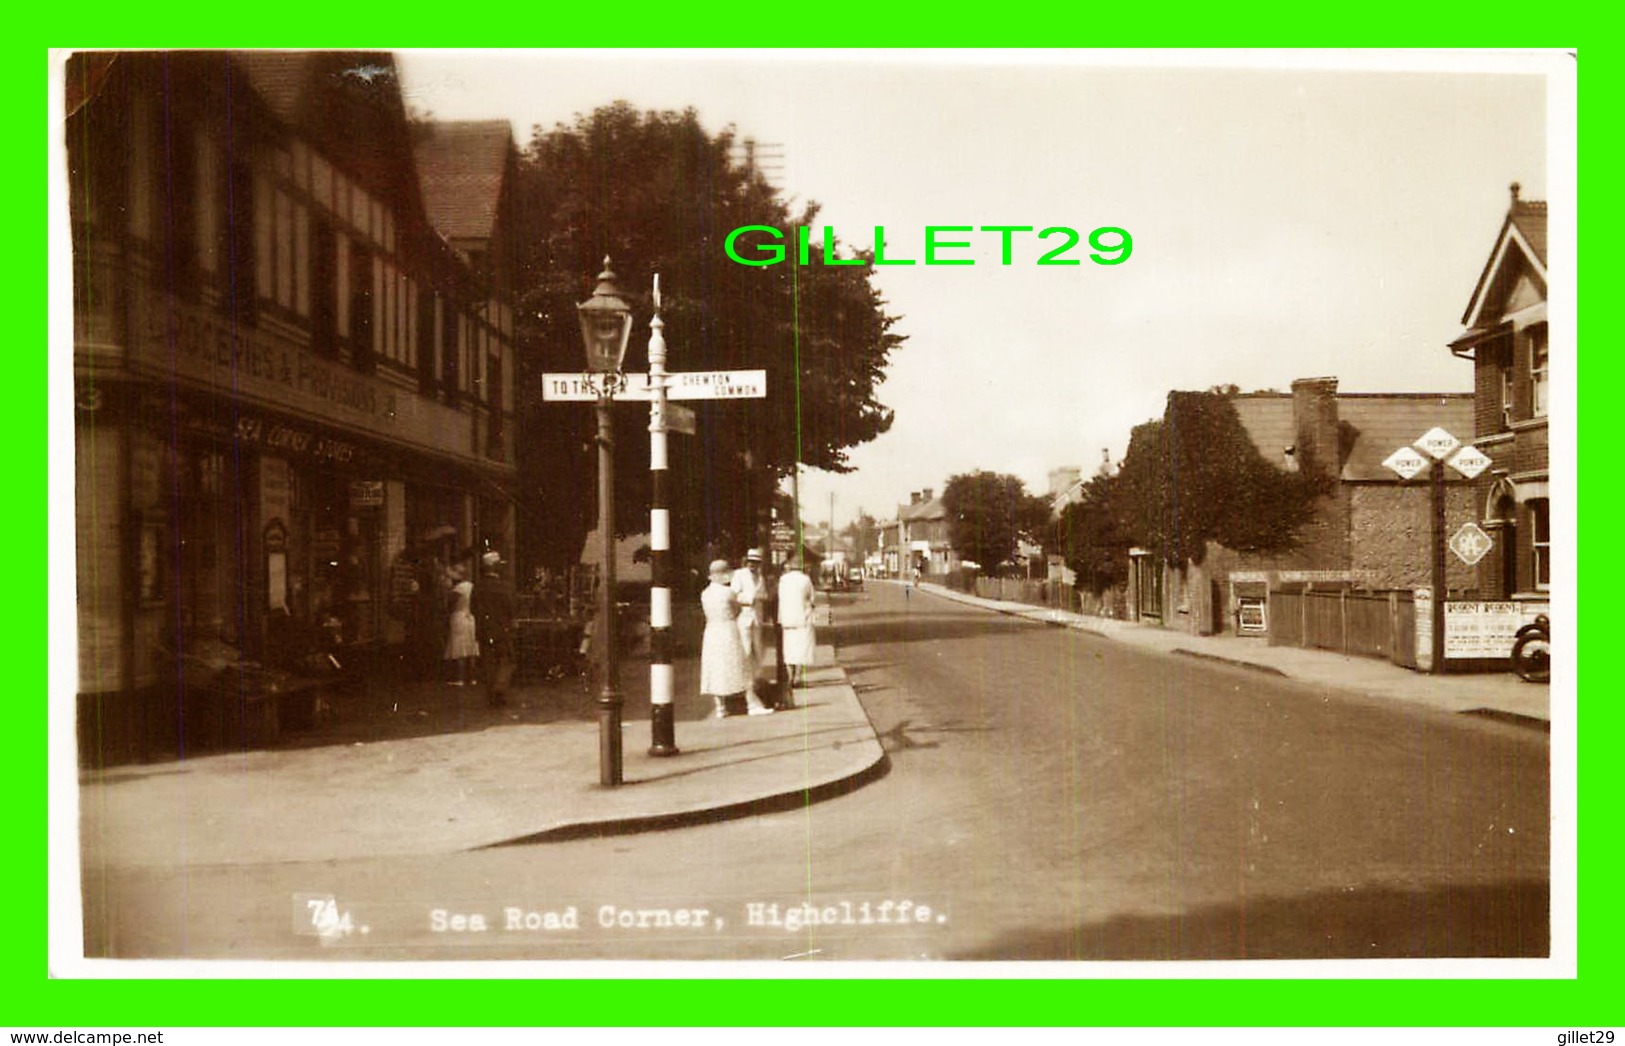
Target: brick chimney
1314,419
925,495
913,497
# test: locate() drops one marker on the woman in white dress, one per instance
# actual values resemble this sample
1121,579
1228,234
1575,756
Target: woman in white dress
724,672
462,643
796,622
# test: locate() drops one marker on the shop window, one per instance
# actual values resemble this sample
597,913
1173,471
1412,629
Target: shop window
1537,371
450,372
494,430
1541,543
208,204
264,238
180,192
142,144
362,350
424,329
237,279
324,288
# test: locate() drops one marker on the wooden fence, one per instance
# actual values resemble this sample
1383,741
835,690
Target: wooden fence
1361,624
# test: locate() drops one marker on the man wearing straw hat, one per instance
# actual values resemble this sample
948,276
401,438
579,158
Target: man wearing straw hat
747,589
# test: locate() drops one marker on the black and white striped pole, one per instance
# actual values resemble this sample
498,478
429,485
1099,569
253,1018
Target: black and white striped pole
662,724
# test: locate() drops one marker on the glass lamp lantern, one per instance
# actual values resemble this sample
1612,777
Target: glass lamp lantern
606,324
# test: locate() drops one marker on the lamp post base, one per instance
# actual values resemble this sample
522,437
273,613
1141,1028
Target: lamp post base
609,739
662,731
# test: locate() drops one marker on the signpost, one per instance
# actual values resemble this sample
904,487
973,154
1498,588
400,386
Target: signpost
691,385
657,387
1442,447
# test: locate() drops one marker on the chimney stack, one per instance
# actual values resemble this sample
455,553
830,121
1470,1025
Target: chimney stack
1314,418
925,495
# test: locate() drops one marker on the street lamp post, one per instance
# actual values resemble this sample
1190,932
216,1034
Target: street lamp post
606,324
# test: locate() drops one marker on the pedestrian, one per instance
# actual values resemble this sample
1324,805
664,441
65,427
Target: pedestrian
796,621
431,610
747,589
462,642
493,608
724,674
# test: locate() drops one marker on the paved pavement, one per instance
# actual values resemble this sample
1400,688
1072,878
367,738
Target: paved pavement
360,789
1499,694
499,779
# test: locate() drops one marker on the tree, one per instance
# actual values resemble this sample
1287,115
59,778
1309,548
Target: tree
1195,476
1094,537
864,533
987,513
657,193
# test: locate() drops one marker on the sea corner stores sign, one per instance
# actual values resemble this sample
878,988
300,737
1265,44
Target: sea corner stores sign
1406,461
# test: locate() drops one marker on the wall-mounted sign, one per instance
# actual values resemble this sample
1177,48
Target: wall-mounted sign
366,493
1251,615
1470,543
1470,461
276,536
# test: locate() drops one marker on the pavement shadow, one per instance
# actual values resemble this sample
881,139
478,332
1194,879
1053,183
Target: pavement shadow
917,627
1503,920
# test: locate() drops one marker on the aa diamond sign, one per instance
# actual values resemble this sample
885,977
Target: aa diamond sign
1470,543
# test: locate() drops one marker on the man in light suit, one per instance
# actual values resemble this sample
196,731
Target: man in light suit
748,591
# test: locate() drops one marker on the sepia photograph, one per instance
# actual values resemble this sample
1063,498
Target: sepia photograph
1043,513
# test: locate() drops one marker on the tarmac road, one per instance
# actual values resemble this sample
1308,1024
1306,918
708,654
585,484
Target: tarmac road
1050,795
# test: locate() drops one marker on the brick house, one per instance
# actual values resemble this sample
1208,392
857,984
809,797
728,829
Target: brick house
1506,341
922,535
1371,530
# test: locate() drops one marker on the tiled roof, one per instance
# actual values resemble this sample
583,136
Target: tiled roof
460,165
931,509
1382,423
1530,218
278,77
1267,417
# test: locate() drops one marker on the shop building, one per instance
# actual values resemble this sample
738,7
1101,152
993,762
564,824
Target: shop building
286,380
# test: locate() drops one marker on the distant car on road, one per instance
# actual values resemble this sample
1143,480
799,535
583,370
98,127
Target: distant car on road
854,578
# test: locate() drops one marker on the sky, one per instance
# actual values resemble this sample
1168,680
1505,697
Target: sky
1292,216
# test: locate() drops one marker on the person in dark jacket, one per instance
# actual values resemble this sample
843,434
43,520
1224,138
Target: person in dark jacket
493,608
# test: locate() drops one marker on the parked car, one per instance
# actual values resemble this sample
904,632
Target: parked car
854,578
